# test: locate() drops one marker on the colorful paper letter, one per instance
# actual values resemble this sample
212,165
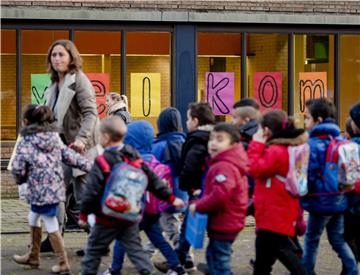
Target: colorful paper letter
312,85
101,83
220,92
145,94
268,90
39,84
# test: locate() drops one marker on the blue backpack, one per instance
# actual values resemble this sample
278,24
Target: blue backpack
123,196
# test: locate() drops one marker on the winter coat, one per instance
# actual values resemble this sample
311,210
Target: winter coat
275,209
38,160
226,193
316,201
193,159
75,109
167,148
94,189
140,136
354,198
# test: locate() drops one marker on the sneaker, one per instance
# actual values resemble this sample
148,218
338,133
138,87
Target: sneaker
109,271
189,265
162,266
177,271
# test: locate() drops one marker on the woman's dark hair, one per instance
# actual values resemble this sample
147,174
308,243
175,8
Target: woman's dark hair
39,114
232,130
75,59
321,107
280,125
203,112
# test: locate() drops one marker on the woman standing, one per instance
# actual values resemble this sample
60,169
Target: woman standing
72,99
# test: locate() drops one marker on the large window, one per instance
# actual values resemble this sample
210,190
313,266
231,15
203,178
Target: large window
35,45
100,52
349,74
267,70
314,70
148,81
8,84
219,63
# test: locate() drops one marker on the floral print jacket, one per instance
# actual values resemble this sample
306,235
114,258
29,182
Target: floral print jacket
38,162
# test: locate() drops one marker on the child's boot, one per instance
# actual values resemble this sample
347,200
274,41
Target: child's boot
57,243
31,258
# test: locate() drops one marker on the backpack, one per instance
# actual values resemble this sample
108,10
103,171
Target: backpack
296,178
153,204
342,166
124,189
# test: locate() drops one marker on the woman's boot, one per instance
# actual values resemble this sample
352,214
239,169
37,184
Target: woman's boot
57,243
31,258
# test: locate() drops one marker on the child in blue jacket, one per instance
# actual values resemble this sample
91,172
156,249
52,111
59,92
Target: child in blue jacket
326,210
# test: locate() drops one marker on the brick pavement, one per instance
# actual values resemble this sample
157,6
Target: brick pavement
14,220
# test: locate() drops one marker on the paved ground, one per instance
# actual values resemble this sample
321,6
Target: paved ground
14,240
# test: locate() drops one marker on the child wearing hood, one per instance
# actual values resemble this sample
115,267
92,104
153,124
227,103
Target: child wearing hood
225,197
167,149
38,163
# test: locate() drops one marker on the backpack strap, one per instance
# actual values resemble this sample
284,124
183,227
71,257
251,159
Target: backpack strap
104,165
136,163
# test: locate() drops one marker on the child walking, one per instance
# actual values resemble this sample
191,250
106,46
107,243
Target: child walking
106,229
140,136
326,210
225,197
200,121
167,149
38,163
276,210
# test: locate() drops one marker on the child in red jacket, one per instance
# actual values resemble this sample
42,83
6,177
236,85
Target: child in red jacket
276,210
225,197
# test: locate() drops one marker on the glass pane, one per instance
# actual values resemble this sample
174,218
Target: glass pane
148,74
349,74
267,70
8,84
219,64
35,45
100,52
314,70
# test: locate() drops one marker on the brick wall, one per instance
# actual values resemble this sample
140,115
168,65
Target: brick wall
274,6
8,186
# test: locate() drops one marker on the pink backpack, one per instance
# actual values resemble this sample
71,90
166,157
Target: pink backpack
296,178
154,205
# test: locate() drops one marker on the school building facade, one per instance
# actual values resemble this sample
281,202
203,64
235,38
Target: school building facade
169,53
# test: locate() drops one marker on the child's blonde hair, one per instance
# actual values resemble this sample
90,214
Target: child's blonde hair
115,127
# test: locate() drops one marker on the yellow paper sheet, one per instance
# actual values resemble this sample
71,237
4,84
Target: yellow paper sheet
145,94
